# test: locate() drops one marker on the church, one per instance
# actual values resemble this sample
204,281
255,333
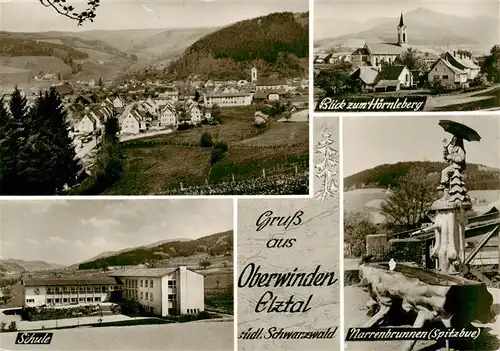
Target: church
374,54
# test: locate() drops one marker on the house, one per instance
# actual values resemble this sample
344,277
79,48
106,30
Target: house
393,78
86,125
168,115
209,84
443,70
229,99
271,84
195,114
463,62
133,123
118,103
270,95
164,291
364,77
61,292
83,100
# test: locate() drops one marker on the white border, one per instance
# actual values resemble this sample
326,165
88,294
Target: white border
235,273
341,228
311,98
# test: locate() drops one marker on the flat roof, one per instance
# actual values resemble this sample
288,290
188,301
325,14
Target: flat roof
143,272
69,282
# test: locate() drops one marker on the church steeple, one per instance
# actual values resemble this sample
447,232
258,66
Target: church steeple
401,21
402,31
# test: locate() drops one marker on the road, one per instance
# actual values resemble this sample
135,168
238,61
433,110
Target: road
216,336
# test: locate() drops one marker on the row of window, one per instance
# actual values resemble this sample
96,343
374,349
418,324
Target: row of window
68,300
80,289
193,310
132,283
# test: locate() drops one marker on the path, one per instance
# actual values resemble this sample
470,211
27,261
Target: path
434,102
216,336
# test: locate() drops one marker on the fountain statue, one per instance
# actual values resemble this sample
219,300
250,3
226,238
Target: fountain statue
440,294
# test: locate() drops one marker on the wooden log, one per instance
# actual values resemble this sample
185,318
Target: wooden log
443,295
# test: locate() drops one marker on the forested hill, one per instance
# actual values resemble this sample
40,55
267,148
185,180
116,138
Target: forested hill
479,177
275,42
213,245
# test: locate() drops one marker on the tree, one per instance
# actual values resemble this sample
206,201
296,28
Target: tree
134,58
100,82
491,67
411,59
357,226
62,8
409,201
215,113
112,129
333,82
197,96
206,140
205,264
326,169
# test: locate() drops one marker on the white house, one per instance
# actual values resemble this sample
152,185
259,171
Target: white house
168,115
443,70
59,292
393,78
229,99
132,123
86,125
271,84
164,291
118,103
463,62
194,113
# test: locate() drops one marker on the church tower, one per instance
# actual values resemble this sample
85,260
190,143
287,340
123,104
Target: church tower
254,74
402,32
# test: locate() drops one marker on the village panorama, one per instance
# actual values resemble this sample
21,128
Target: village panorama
446,61
170,112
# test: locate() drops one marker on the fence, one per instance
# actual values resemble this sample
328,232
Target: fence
150,143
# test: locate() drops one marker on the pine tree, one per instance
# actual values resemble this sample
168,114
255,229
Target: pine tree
326,169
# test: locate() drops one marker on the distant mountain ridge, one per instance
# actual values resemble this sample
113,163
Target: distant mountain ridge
425,27
215,244
11,265
479,177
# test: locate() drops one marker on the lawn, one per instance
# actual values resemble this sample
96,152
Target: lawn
487,103
158,163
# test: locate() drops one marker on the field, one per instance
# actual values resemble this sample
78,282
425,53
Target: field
160,163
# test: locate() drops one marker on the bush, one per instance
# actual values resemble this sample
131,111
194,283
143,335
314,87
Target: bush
206,140
221,145
442,86
203,315
185,126
2,326
217,155
12,326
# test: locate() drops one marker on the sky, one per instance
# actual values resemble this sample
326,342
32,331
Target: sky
372,141
31,16
68,232
364,10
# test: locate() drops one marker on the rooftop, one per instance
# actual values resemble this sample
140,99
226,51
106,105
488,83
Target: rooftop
143,272
69,282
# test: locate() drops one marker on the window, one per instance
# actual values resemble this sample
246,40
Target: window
89,289
89,299
151,296
81,289
171,283
65,300
142,295
73,289
58,300
142,283
81,299
147,297
30,300
97,299
58,290
103,289
97,289
150,283
171,297
445,76
50,300
73,300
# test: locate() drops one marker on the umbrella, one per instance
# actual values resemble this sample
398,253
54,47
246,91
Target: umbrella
459,130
